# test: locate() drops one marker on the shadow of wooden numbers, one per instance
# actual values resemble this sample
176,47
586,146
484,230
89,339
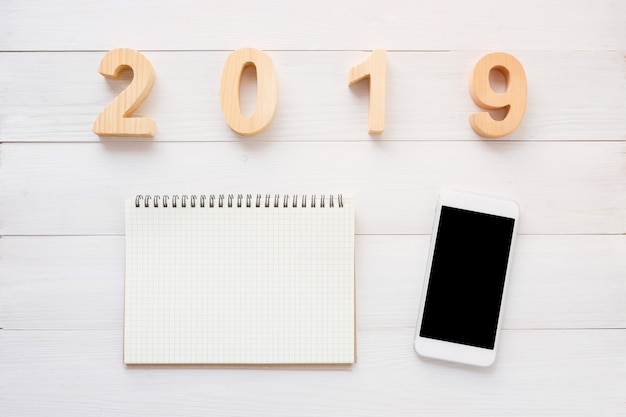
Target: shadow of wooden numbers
267,91
115,119
374,68
513,100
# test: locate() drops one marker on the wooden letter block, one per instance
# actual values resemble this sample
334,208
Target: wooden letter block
374,68
267,91
513,99
115,119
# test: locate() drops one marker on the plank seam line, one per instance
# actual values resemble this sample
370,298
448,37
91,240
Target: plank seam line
320,141
9,235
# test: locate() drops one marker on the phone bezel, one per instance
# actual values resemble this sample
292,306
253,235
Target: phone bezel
457,352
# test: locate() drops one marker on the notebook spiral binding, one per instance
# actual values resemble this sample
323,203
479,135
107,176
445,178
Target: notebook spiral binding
211,201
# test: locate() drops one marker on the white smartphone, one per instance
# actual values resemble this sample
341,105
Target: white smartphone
466,277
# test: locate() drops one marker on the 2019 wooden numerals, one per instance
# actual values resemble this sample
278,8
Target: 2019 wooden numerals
115,119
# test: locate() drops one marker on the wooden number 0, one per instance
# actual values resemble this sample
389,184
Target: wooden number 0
513,99
267,91
114,120
374,68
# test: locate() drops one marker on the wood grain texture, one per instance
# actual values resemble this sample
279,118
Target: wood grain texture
115,119
562,187
325,24
267,91
513,99
536,373
374,69
427,96
557,282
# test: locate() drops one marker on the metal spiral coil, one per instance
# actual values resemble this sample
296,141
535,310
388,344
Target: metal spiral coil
239,202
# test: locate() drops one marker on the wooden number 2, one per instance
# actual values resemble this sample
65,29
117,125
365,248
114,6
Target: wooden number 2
267,91
374,68
513,99
114,120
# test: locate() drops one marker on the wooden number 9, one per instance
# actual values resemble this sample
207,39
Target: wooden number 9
513,99
267,91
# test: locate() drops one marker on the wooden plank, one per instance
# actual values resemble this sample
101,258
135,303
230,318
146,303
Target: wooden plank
562,187
556,373
72,282
324,24
427,97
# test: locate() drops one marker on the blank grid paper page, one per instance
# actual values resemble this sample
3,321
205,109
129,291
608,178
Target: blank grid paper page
239,285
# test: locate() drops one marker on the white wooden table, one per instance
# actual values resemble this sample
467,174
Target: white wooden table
563,349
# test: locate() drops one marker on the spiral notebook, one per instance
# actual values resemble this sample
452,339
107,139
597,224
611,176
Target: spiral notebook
239,280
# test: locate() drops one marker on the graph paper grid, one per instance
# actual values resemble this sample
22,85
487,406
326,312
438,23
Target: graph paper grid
239,285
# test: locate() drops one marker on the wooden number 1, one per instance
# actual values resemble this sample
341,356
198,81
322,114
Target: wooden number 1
513,99
267,91
374,68
114,120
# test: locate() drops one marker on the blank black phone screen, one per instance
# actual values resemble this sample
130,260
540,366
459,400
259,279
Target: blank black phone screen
466,282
